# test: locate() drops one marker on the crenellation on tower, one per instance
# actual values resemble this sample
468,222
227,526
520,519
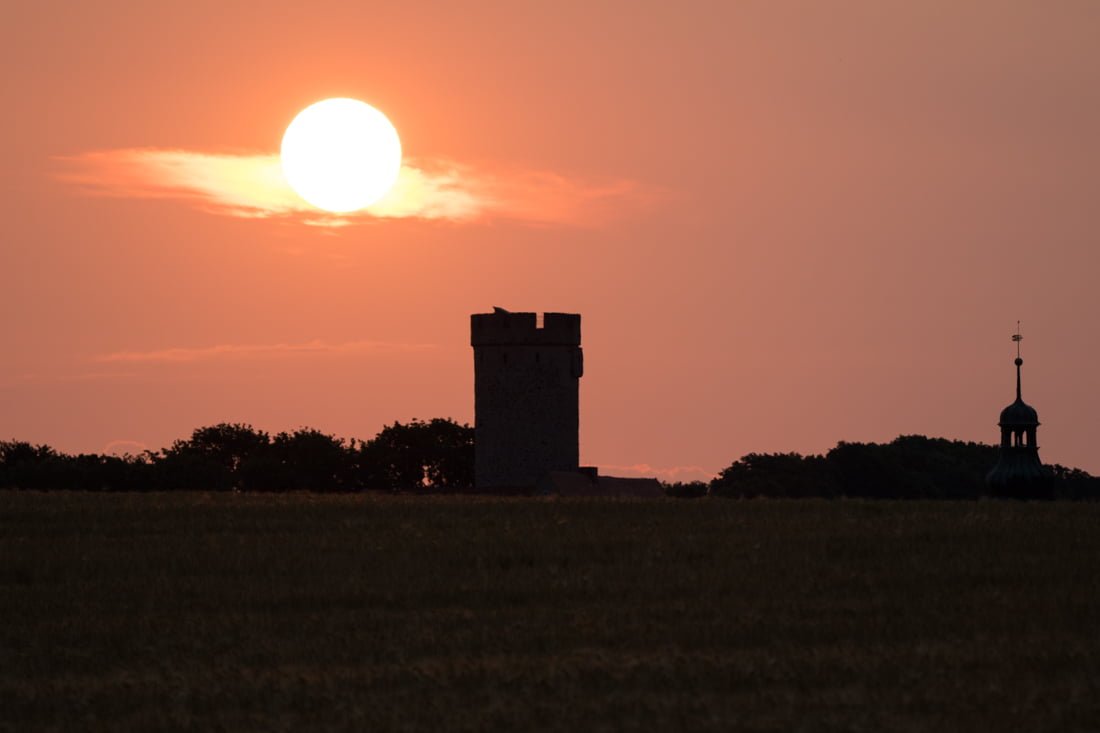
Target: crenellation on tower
516,329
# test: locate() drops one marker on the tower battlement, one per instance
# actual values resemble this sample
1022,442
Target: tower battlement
504,328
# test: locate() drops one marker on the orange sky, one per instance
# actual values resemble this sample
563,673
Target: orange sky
785,224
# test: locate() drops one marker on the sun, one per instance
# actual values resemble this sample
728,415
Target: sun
341,154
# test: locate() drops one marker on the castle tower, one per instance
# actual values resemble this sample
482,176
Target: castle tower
526,396
1019,472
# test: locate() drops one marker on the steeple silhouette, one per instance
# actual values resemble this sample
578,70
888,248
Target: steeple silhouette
1018,472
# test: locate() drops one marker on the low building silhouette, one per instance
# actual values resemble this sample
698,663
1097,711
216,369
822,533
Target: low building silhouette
588,482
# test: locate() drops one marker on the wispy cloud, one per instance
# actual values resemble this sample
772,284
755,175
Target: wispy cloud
50,377
124,448
253,186
670,474
252,351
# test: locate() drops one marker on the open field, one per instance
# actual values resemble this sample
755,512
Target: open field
299,612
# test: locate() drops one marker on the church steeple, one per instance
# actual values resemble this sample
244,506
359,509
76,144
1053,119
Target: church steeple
1018,472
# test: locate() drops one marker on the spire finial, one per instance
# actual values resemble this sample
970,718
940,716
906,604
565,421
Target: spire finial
1019,362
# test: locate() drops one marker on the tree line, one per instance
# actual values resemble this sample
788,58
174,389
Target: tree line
910,467
420,455
438,455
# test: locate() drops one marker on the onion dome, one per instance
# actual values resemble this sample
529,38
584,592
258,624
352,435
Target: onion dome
1019,413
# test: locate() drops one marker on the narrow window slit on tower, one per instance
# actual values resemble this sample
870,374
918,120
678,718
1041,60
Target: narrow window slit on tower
539,320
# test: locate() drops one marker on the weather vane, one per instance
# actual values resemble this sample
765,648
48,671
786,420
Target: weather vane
1016,337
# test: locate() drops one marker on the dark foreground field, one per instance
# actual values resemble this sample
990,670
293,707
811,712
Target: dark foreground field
208,612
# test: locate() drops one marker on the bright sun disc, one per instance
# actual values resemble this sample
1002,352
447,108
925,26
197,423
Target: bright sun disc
341,154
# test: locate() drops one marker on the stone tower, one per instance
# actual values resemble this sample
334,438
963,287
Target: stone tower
1018,472
526,396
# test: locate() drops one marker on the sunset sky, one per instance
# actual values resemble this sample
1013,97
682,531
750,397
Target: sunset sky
784,223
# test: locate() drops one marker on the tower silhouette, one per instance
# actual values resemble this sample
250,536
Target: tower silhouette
1018,472
526,396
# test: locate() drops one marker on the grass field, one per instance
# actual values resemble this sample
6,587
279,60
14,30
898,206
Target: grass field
207,612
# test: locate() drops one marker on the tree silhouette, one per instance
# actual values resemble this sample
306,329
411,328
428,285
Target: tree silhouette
419,455
211,458
305,460
910,467
786,475
26,466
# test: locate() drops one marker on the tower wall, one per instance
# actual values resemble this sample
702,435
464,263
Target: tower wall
526,396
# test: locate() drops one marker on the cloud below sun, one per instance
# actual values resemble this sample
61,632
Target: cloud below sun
253,186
